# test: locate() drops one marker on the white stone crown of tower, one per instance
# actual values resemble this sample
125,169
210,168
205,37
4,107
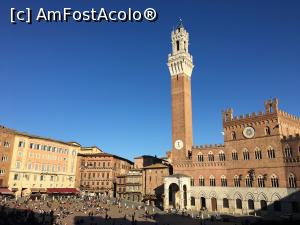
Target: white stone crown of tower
180,61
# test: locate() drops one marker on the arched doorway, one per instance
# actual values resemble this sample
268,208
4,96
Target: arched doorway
225,203
263,205
214,204
250,204
174,195
238,203
202,203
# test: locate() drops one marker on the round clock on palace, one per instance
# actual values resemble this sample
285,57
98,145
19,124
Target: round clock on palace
249,132
178,144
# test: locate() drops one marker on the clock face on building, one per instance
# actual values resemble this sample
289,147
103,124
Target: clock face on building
178,144
249,132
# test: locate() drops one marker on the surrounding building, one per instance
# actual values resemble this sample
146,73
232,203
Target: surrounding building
89,150
98,172
153,188
134,177
134,185
121,186
31,163
7,137
145,160
256,170
144,182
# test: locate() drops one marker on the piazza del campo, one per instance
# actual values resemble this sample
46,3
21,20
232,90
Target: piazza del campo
254,176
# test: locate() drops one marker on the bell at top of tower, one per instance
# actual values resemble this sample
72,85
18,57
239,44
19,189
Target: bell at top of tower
180,61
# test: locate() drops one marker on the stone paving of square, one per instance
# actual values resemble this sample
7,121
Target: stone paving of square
99,211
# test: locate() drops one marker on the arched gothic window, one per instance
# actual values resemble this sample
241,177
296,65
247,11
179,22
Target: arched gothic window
292,181
248,181
200,157
271,153
201,181
222,156
234,155
274,181
212,181
237,181
246,154
258,154
288,151
223,181
211,157
260,181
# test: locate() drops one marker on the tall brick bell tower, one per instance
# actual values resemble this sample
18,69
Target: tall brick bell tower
180,64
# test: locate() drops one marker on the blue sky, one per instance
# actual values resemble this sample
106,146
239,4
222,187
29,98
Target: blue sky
107,84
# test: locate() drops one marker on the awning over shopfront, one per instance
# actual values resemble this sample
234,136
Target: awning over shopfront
62,191
38,190
5,191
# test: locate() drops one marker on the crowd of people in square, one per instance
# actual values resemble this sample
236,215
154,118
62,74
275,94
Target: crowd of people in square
58,210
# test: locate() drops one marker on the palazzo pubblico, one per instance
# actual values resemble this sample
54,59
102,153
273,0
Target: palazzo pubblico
255,171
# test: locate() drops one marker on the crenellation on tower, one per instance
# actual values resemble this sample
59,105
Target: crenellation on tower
271,105
227,115
271,111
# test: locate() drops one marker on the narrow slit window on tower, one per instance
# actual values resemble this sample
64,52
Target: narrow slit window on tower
177,45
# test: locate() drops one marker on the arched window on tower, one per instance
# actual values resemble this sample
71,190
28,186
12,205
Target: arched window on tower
271,153
267,131
274,181
233,135
177,45
288,151
292,181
